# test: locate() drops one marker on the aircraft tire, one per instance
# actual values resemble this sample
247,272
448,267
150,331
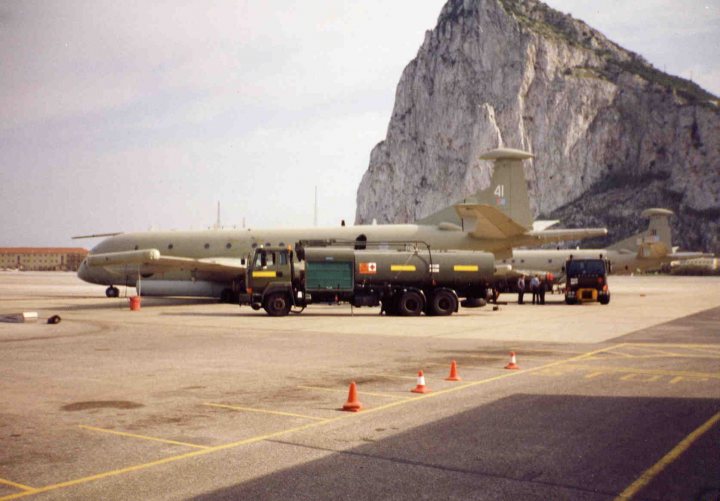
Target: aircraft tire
442,303
410,304
112,291
277,304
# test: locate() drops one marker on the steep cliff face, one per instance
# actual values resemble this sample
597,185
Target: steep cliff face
612,135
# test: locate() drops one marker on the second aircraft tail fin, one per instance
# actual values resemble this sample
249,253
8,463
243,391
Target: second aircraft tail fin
655,241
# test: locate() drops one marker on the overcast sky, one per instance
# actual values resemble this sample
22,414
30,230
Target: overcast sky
120,116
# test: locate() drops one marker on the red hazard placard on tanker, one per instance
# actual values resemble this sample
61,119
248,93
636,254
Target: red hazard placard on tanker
368,268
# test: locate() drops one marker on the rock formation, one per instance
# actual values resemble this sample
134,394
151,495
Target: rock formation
611,134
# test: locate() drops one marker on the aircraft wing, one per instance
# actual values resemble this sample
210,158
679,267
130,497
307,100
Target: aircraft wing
490,223
153,260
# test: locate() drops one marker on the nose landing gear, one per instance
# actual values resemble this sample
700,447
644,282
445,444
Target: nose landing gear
112,291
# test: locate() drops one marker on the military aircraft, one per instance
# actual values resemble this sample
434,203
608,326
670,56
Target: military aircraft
648,250
212,263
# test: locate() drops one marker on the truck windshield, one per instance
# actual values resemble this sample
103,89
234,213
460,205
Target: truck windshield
263,259
586,267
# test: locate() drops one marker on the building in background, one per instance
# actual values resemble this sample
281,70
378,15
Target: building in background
42,258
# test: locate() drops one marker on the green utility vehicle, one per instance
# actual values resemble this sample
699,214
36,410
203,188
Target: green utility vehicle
404,281
586,281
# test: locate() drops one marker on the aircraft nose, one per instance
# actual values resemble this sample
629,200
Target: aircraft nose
82,272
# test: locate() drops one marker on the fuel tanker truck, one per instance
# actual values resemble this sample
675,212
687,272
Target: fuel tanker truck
403,281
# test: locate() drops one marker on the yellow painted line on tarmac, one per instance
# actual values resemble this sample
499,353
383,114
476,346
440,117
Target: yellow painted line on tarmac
660,350
693,379
689,346
603,368
339,390
652,472
260,438
641,378
167,460
623,355
16,485
144,437
262,411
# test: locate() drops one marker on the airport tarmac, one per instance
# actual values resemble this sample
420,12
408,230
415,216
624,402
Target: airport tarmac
190,399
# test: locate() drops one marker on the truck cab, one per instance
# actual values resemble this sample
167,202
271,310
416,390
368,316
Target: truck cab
586,281
269,280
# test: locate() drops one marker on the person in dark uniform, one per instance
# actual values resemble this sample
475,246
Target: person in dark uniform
542,288
521,288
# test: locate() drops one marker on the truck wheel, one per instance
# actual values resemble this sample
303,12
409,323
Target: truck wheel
443,303
277,304
411,304
570,300
604,299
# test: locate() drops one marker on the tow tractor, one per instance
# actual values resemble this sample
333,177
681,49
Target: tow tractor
586,281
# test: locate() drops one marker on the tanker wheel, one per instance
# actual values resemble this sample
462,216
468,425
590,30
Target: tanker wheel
410,304
442,304
277,304
112,291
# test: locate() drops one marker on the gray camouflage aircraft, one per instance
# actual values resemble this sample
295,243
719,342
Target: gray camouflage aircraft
648,250
212,263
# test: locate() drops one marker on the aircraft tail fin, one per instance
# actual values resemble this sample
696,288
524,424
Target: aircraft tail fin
507,191
655,241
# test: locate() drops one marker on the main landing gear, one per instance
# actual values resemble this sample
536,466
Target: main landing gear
112,291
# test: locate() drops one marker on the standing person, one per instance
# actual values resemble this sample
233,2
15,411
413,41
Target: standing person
534,286
544,283
521,288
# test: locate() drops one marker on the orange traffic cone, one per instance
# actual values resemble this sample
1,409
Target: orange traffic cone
453,373
352,404
420,388
513,362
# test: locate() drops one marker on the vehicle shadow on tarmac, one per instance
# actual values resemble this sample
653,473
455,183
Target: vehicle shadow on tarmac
523,446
